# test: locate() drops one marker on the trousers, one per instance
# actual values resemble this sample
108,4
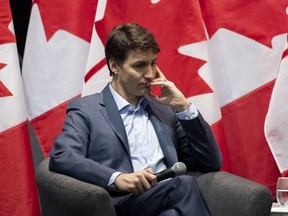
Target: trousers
174,197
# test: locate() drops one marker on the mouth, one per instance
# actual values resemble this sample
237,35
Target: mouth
145,85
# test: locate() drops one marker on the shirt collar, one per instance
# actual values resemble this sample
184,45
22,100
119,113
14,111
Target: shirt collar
121,102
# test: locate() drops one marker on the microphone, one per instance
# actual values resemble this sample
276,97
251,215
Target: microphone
178,168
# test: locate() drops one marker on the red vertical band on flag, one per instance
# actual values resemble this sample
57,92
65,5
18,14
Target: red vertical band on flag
243,126
53,119
18,193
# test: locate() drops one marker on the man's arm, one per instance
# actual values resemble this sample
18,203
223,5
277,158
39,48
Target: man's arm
197,146
68,154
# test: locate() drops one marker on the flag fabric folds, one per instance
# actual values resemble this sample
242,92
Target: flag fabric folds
224,56
276,122
176,37
246,43
54,62
18,193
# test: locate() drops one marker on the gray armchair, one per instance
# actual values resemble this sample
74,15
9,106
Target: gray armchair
225,194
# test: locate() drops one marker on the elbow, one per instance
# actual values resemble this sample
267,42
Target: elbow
217,165
214,166
53,164
56,161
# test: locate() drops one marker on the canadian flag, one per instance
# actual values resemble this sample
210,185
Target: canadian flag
18,193
179,25
223,55
246,43
276,123
54,62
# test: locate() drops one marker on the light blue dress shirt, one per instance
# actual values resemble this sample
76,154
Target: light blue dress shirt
144,146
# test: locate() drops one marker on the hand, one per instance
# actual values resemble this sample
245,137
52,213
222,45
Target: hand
170,94
137,182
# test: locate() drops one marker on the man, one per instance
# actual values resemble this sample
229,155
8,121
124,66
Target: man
119,138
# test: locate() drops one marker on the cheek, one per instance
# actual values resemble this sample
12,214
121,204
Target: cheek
133,76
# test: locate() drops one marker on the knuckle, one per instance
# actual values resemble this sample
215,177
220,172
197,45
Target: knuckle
136,180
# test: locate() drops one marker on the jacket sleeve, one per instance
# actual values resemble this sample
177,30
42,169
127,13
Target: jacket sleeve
68,154
197,147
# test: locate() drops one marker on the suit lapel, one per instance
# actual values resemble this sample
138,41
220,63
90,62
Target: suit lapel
161,129
111,113
163,133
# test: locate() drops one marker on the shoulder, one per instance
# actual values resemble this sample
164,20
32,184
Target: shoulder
86,101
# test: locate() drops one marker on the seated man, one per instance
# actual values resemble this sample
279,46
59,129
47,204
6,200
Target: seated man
119,138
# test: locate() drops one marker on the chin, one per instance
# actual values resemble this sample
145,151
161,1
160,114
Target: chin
143,92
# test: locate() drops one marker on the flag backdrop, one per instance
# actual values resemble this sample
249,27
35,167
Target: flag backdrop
276,123
224,56
18,194
246,43
54,62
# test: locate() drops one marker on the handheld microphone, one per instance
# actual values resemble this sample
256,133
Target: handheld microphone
178,168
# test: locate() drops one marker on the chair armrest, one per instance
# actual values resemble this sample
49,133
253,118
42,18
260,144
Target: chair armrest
227,194
63,195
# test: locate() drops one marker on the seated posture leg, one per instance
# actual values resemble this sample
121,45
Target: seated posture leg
177,196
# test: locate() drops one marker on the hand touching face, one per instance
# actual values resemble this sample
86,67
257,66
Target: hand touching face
170,94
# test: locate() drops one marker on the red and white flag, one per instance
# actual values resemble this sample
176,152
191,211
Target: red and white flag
18,193
223,55
177,26
246,43
276,123
54,62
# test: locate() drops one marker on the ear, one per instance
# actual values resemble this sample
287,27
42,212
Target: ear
113,66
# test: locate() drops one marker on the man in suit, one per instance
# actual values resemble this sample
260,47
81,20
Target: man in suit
119,138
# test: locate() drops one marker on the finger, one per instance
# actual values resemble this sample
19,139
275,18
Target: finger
160,74
151,178
149,170
160,81
139,186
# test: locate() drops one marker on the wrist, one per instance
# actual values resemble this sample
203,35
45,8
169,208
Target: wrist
182,107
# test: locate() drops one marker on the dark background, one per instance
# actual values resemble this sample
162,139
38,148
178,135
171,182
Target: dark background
21,10
21,13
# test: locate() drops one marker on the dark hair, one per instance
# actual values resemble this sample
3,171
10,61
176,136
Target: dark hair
128,37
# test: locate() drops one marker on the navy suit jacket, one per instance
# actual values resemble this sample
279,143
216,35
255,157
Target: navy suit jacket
94,145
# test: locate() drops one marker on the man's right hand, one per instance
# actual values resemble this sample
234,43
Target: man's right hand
137,182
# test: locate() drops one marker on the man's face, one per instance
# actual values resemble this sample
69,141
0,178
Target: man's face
134,75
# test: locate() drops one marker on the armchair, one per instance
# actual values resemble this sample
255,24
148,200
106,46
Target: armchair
226,195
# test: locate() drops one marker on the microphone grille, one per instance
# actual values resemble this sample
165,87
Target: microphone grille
179,168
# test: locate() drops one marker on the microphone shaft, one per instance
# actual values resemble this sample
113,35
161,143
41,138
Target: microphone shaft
165,174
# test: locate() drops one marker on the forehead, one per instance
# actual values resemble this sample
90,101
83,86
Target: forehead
141,55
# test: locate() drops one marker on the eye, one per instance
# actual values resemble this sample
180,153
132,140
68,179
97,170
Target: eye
139,65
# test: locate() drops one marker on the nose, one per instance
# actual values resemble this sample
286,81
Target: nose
150,72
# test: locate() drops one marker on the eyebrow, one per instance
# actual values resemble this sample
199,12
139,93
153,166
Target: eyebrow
144,61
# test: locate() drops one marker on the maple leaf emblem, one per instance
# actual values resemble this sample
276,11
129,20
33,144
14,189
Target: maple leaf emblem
72,16
6,36
179,24
260,21
4,92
